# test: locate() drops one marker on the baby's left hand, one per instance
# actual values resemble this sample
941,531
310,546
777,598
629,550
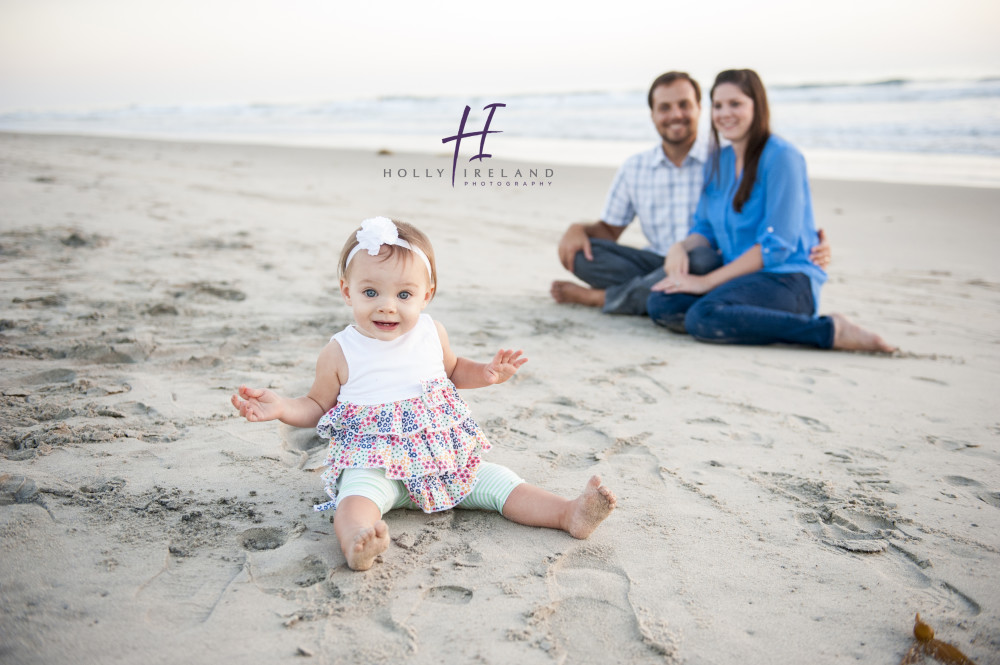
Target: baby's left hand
503,366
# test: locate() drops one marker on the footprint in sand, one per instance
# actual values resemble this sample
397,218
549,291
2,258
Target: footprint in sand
875,532
285,564
206,291
306,450
992,498
18,489
950,444
817,425
633,453
579,455
634,383
299,440
262,538
60,375
854,537
451,595
302,564
590,604
850,530
186,591
828,518
962,481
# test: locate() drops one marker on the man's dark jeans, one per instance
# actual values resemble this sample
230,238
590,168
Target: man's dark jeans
626,273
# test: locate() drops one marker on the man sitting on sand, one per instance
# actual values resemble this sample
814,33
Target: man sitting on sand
661,186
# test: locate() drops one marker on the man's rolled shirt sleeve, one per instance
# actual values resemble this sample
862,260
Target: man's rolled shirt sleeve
619,209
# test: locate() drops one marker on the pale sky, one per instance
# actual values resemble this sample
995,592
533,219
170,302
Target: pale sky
57,54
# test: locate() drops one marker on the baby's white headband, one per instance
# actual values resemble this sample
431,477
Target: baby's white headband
379,231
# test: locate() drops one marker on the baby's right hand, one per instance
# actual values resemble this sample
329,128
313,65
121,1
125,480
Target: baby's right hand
257,404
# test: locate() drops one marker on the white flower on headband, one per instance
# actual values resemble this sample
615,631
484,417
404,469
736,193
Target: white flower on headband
376,232
379,231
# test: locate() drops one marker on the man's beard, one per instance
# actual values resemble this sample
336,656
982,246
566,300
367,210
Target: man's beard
665,134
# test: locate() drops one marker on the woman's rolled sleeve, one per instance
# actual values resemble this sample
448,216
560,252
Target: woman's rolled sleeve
786,202
774,249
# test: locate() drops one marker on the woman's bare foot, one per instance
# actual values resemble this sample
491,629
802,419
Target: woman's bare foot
590,508
568,292
849,336
367,544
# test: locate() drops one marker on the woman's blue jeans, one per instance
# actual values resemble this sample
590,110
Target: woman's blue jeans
759,308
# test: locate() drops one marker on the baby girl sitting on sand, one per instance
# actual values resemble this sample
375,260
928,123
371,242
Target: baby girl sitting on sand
385,395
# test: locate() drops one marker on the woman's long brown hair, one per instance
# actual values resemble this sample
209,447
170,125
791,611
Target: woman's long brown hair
760,128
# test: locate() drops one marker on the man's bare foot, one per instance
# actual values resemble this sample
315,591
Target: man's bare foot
590,508
568,292
849,336
368,544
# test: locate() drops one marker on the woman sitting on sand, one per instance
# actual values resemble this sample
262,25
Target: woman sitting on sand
757,210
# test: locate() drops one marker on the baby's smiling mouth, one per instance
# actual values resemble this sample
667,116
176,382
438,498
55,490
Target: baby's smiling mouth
386,325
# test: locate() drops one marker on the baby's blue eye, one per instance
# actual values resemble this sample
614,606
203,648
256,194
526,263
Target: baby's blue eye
403,295
371,293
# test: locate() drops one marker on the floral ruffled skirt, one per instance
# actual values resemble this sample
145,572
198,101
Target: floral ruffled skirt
429,442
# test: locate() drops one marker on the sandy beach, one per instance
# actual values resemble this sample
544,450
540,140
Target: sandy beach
776,505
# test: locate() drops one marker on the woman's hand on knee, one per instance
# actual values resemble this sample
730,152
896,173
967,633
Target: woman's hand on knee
694,284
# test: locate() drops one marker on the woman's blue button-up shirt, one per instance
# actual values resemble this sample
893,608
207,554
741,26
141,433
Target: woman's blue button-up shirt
778,216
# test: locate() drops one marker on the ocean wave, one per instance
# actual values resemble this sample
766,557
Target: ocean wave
896,115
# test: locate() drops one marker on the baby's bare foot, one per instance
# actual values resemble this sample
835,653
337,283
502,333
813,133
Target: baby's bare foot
368,544
849,336
590,508
568,292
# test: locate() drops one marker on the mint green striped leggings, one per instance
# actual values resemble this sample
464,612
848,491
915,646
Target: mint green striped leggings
494,485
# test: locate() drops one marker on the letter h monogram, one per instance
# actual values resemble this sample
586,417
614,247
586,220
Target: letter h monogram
462,134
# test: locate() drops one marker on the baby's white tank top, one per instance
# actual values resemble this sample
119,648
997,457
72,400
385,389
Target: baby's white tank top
379,372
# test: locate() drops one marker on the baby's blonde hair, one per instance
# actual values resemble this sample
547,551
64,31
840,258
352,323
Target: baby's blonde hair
407,232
